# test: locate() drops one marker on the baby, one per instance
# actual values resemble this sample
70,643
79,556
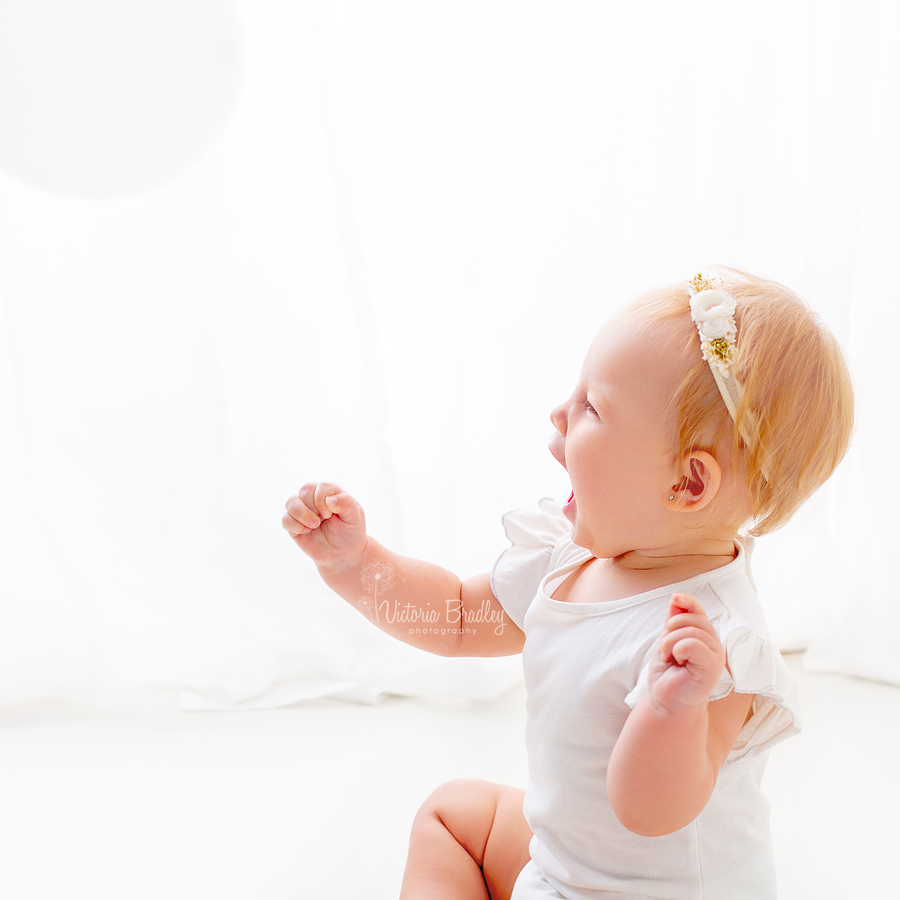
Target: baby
706,414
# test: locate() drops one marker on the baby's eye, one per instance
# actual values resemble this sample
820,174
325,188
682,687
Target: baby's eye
588,407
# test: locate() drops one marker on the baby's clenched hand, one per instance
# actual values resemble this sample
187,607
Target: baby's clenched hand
327,524
689,660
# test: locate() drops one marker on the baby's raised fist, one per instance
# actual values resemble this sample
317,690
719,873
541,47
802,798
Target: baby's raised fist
690,660
326,523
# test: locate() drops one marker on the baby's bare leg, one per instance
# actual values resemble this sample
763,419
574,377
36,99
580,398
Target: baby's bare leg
469,842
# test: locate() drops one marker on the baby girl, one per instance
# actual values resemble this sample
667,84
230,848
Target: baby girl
705,414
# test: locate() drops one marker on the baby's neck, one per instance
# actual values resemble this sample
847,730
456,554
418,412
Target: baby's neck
702,556
606,580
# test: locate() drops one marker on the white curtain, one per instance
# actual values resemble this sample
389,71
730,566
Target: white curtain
385,273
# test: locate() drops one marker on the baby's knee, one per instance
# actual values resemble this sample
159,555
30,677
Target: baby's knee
465,807
452,794
461,796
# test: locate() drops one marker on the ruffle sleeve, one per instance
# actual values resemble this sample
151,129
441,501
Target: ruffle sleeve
753,665
534,535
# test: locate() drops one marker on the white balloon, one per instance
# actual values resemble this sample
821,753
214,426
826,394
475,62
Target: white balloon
111,98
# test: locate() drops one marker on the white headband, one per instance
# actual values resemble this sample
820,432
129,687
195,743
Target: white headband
712,310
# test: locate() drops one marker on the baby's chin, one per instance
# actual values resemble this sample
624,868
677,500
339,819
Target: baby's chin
570,510
583,537
579,536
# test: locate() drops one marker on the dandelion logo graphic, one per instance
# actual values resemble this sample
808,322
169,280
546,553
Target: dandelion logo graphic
376,577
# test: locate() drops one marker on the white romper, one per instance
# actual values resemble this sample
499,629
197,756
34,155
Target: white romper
585,669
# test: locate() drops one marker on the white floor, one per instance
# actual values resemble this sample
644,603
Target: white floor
128,797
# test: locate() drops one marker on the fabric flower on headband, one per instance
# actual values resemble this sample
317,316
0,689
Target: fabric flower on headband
712,310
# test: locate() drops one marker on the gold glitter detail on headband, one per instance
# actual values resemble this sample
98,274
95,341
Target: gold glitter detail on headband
703,284
721,348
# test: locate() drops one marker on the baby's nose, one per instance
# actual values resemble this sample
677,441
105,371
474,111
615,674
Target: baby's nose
558,418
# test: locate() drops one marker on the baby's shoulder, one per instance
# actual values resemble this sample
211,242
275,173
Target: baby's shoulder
731,593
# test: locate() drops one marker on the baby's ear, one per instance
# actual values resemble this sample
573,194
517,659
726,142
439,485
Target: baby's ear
701,477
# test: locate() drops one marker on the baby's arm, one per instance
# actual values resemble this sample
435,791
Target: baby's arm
667,757
417,602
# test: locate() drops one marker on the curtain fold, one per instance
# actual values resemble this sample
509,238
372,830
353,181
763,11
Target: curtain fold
859,634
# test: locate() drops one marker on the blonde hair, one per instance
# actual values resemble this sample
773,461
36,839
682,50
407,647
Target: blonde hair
794,380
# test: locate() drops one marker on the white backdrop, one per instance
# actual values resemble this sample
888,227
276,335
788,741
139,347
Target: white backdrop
385,272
